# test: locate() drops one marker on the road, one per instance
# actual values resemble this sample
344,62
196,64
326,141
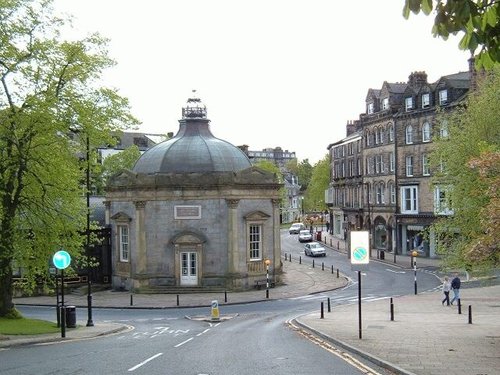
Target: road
256,339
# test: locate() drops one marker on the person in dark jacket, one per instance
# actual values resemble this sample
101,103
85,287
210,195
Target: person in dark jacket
455,287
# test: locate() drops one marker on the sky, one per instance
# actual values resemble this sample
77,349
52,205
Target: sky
272,73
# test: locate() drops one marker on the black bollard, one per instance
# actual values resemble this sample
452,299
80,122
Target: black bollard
313,263
300,259
290,258
332,269
177,300
225,296
322,312
285,256
131,300
392,311
459,307
470,314
337,273
322,266
329,307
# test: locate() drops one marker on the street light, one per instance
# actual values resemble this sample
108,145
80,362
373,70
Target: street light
414,255
90,323
267,262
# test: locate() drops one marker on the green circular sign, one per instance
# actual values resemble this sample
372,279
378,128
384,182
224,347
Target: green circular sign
61,259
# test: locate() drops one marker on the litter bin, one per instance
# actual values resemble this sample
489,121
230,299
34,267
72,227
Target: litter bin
71,316
382,255
318,236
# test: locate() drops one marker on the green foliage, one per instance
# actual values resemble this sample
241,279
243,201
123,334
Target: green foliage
302,170
23,326
273,168
477,19
48,90
314,199
469,237
115,163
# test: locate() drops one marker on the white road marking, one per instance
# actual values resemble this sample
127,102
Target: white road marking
182,343
387,269
201,333
144,362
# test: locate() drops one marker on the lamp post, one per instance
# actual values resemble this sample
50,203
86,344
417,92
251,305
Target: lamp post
267,262
90,323
414,255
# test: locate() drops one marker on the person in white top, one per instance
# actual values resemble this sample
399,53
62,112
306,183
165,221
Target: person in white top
446,290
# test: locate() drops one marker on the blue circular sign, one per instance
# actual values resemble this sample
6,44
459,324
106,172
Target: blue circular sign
359,253
61,259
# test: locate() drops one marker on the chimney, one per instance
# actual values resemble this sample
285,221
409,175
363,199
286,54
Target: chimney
350,128
417,79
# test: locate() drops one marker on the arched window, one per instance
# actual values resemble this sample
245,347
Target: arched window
391,132
409,134
426,132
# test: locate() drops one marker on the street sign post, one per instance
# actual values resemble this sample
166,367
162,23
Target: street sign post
61,260
360,259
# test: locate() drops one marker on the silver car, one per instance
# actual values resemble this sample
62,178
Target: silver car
296,228
305,236
314,249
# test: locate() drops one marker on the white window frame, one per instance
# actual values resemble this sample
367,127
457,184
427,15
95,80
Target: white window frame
409,199
392,161
385,103
443,129
409,134
409,166
426,100
408,103
392,189
443,97
441,201
124,242
255,241
426,132
426,168
370,108
391,133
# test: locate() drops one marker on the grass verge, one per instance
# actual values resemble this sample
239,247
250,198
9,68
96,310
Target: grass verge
24,326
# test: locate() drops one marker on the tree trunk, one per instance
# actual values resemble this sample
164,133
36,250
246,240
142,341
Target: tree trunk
6,304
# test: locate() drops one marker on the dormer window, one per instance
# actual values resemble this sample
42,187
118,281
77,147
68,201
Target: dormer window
443,97
408,104
385,103
426,100
370,108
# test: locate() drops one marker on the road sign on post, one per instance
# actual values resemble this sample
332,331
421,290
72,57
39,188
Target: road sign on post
360,250
62,260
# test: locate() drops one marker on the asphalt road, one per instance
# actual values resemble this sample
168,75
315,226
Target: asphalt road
256,339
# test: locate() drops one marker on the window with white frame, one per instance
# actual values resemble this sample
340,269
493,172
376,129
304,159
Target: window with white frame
358,169
370,199
377,136
392,161
443,129
380,192
367,138
426,100
426,132
409,134
409,166
385,103
443,97
442,202
392,190
408,103
391,133
255,241
409,200
426,169
370,108
123,243
378,160
381,136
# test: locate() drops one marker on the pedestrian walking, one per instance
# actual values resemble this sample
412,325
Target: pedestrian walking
455,287
446,290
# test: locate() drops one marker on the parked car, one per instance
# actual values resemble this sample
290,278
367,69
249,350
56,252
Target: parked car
305,236
296,228
314,249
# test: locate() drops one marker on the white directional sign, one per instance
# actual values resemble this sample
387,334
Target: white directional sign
360,248
61,259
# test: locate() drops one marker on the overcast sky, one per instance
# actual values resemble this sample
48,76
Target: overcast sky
286,73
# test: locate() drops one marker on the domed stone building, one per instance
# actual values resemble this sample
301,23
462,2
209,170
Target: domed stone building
193,213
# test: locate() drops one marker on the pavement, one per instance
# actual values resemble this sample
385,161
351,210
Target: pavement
425,338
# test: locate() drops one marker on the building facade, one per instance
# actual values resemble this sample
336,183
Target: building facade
193,213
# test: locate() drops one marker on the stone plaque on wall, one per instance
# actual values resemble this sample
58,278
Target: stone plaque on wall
187,212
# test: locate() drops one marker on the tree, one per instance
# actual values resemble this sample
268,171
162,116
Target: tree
115,163
314,199
477,19
469,160
302,170
48,91
269,166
